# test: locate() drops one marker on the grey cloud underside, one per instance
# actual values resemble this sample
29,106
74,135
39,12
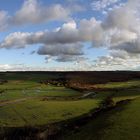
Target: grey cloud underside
130,47
89,30
66,49
69,58
65,41
122,30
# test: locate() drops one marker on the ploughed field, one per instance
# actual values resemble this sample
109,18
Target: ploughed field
30,100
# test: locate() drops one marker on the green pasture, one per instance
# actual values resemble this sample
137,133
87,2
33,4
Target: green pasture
119,85
123,122
36,112
21,89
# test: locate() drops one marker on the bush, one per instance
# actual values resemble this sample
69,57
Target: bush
107,102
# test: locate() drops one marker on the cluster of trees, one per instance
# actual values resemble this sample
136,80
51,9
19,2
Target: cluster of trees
3,81
55,82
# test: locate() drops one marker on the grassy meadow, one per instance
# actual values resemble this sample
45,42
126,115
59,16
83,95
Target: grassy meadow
36,112
27,102
120,123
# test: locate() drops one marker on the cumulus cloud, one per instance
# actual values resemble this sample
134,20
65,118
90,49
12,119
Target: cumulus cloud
117,60
123,35
116,19
124,29
32,12
89,30
59,49
119,33
15,40
66,41
130,47
62,52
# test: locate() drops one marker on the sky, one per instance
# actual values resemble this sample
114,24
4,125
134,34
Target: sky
69,35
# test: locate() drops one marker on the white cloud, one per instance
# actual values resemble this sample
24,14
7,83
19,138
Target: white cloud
15,40
123,30
32,12
65,41
89,30
98,5
14,67
119,33
119,60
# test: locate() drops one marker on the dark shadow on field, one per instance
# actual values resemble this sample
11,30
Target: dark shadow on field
95,128
118,93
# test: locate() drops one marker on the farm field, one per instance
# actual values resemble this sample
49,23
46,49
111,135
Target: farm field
24,89
36,112
70,70
29,103
121,123
44,101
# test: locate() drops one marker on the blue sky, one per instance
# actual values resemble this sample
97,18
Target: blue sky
68,35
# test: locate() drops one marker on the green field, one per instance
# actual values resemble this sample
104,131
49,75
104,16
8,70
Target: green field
27,103
121,123
35,112
119,85
31,103
24,89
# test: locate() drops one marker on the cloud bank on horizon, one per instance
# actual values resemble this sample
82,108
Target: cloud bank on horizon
111,25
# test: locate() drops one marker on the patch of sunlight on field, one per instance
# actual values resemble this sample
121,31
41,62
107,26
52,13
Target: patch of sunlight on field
36,112
24,89
126,84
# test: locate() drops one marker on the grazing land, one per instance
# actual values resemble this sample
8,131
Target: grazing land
69,106
120,123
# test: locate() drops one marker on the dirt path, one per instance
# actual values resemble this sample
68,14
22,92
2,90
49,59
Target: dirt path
88,94
14,101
